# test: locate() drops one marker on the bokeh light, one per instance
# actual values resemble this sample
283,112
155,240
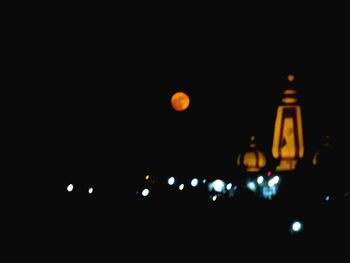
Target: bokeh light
297,226
194,182
145,192
171,181
70,188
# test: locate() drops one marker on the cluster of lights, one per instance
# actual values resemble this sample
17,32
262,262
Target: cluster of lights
266,188
217,188
70,188
194,183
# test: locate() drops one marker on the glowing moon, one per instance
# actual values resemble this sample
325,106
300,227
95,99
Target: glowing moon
180,101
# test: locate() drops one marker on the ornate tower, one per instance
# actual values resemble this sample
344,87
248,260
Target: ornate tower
288,141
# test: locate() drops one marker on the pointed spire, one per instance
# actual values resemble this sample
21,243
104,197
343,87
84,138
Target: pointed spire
252,141
290,93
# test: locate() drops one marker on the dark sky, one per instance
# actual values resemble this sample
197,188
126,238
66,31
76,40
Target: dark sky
106,87
92,102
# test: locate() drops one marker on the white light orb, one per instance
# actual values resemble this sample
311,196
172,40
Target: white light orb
145,192
297,226
218,185
194,182
70,188
171,181
260,180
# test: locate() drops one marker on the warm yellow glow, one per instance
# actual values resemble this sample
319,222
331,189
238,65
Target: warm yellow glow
291,77
253,160
289,147
180,101
239,160
288,141
289,100
286,165
314,159
290,92
147,177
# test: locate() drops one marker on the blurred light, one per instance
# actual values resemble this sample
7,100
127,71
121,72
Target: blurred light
181,187
229,186
147,177
171,181
204,181
70,188
218,185
277,179
214,198
91,190
269,173
269,192
145,192
232,191
297,226
260,180
274,181
194,182
327,198
291,77
251,186
271,183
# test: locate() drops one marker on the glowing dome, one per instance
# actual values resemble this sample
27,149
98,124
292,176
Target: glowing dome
253,160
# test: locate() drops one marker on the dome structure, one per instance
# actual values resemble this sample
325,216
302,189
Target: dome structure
253,159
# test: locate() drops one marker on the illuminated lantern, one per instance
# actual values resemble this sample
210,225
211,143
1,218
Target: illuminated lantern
253,160
288,141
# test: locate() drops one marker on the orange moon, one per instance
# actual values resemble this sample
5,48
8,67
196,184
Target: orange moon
180,101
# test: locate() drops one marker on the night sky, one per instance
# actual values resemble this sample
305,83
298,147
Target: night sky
102,114
115,105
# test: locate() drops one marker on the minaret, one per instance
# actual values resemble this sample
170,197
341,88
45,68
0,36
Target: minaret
288,142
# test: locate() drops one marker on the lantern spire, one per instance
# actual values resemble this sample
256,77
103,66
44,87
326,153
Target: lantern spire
288,142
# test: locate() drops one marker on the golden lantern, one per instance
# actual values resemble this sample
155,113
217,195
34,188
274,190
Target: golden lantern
253,160
288,141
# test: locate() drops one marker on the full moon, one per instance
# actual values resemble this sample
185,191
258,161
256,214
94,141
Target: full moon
180,101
